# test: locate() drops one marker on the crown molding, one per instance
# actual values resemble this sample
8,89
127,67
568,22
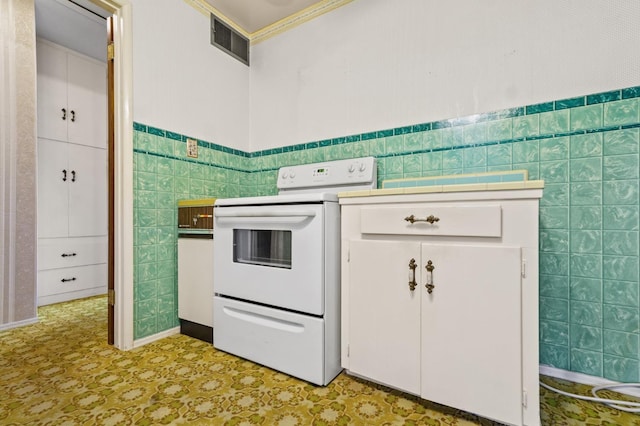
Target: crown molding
277,27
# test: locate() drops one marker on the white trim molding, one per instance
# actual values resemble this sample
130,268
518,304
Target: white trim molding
317,9
158,336
123,185
17,324
586,379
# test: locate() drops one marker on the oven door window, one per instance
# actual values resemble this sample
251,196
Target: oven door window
262,247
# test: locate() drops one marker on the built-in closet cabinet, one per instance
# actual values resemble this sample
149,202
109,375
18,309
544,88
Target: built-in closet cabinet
439,298
72,175
71,95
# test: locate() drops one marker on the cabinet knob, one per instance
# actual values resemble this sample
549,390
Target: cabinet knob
64,280
431,219
412,274
73,175
73,116
64,113
68,254
429,285
64,175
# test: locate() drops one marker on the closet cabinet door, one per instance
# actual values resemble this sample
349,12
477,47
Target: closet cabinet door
53,188
72,97
87,102
87,191
53,112
471,329
384,314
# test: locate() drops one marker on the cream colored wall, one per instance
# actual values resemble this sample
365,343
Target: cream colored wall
181,82
18,167
378,64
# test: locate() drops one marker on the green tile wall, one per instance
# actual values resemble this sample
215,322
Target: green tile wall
585,148
164,174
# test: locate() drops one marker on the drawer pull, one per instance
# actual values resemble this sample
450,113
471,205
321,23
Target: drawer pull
64,280
429,285
68,254
412,274
431,219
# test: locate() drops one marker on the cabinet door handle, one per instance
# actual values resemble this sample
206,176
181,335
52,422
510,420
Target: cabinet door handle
68,254
64,280
429,285
73,116
73,175
64,175
431,219
412,274
64,113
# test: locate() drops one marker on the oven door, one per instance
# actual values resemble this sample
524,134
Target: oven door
272,255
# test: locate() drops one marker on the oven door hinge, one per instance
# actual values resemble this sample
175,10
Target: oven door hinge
111,297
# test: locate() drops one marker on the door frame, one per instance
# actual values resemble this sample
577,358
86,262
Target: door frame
122,170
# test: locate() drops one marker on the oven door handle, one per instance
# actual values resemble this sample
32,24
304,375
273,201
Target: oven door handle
265,213
263,320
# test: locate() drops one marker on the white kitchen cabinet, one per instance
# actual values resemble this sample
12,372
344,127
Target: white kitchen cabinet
72,190
72,175
59,285
72,96
470,341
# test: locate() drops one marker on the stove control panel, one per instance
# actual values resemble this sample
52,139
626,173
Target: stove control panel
342,175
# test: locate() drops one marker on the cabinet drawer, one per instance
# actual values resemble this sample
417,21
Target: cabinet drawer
70,252
56,281
286,341
440,220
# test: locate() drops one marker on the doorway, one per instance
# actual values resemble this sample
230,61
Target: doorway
120,262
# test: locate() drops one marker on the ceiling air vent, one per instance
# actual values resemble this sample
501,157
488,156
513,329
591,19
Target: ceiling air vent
229,40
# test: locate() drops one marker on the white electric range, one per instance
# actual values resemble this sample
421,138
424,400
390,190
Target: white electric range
277,270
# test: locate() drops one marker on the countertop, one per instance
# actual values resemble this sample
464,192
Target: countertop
473,187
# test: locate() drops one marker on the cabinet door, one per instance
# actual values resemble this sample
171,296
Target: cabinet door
87,102
195,280
471,347
52,92
87,191
384,314
53,186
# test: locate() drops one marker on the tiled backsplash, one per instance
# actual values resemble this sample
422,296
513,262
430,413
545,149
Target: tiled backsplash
586,149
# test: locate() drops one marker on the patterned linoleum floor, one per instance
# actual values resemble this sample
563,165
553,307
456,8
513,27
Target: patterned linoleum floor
60,371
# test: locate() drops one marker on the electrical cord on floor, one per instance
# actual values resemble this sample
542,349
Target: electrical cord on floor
613,403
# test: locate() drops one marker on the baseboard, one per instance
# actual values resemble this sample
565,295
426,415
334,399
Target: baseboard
17,324
72,295
586,379
145,340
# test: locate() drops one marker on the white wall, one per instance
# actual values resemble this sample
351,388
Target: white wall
378,64
181,82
